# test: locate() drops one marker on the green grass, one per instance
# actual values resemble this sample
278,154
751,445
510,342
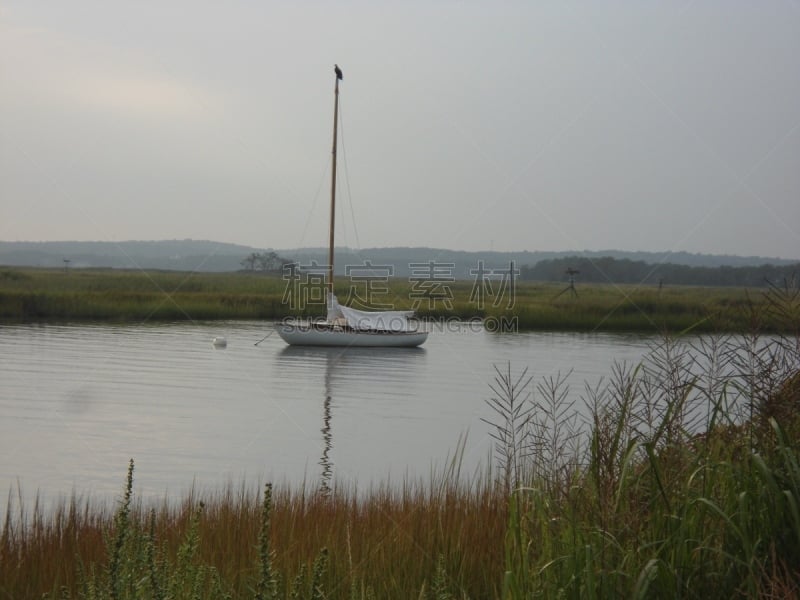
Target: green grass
33,294
112,295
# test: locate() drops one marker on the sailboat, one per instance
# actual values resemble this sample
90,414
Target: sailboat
345,326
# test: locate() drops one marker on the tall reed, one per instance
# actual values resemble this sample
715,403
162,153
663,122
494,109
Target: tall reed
689,482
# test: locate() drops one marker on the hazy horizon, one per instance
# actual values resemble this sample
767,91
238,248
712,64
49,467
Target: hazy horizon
663,256
473,126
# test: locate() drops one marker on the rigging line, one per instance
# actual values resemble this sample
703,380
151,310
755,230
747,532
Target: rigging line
265,337
345,241
357,251
314,204
340,204
347,178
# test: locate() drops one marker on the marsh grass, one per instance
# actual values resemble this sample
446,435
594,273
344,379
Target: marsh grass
115,295
419,539
678,478
688,484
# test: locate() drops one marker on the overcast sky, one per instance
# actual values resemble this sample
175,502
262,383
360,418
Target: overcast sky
478,125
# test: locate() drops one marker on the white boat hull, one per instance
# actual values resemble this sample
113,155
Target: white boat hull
311,334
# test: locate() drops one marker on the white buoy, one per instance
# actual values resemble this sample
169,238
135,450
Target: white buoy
219,342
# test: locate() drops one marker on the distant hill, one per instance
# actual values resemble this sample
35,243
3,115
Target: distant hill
204,255
401,259
177,255
623,270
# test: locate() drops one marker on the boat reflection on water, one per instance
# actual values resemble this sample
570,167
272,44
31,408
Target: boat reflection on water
372,367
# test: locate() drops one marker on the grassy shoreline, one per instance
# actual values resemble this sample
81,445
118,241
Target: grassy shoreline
34,295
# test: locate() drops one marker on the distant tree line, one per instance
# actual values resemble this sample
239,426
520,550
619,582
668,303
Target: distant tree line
614,270
267,262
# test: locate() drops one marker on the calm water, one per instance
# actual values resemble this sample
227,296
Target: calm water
78,401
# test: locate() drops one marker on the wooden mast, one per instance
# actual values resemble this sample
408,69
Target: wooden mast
333,184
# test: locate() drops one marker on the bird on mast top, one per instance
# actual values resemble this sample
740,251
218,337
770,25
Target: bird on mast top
338,72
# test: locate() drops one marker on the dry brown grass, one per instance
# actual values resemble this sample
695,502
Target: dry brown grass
387,540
